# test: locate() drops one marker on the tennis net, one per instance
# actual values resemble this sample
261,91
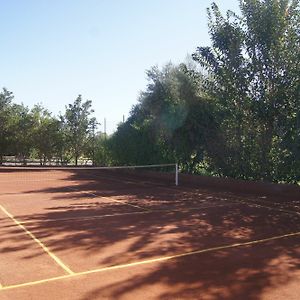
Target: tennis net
161,174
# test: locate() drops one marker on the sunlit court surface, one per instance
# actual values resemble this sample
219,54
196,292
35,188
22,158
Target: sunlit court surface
111,234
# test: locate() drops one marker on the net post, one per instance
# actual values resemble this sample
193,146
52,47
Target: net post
176,174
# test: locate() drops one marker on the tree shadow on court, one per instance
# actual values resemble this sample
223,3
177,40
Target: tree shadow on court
240,273
135,223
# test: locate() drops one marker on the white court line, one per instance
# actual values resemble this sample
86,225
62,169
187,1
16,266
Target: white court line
184,209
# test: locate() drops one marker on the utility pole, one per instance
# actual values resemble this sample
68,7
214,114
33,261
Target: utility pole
105,128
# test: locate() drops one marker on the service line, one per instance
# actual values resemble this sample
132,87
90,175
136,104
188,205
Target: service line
95,217
110,199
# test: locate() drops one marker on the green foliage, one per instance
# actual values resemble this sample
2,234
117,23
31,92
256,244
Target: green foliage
5,109
78,126
238,118
132,145
22,124
46,134
36,133
170,122
253,77
100,151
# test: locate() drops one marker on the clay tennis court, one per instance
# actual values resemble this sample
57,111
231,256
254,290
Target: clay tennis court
77,234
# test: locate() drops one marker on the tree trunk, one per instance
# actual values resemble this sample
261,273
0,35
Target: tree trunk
24,160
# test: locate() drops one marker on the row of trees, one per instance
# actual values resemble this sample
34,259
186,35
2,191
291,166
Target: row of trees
236,112
37,134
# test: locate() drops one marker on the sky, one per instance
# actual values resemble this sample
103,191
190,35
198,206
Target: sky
53,50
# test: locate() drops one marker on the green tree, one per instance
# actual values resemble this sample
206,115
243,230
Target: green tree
61,148
98,149
78,126
46,133
170,122
6,98
94,142
22,129
253,78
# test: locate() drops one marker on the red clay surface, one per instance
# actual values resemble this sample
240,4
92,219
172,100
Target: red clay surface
17,263
71,235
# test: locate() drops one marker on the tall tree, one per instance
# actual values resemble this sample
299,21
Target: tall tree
22,130
46,133
253,76
78,125
170,122
6,98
